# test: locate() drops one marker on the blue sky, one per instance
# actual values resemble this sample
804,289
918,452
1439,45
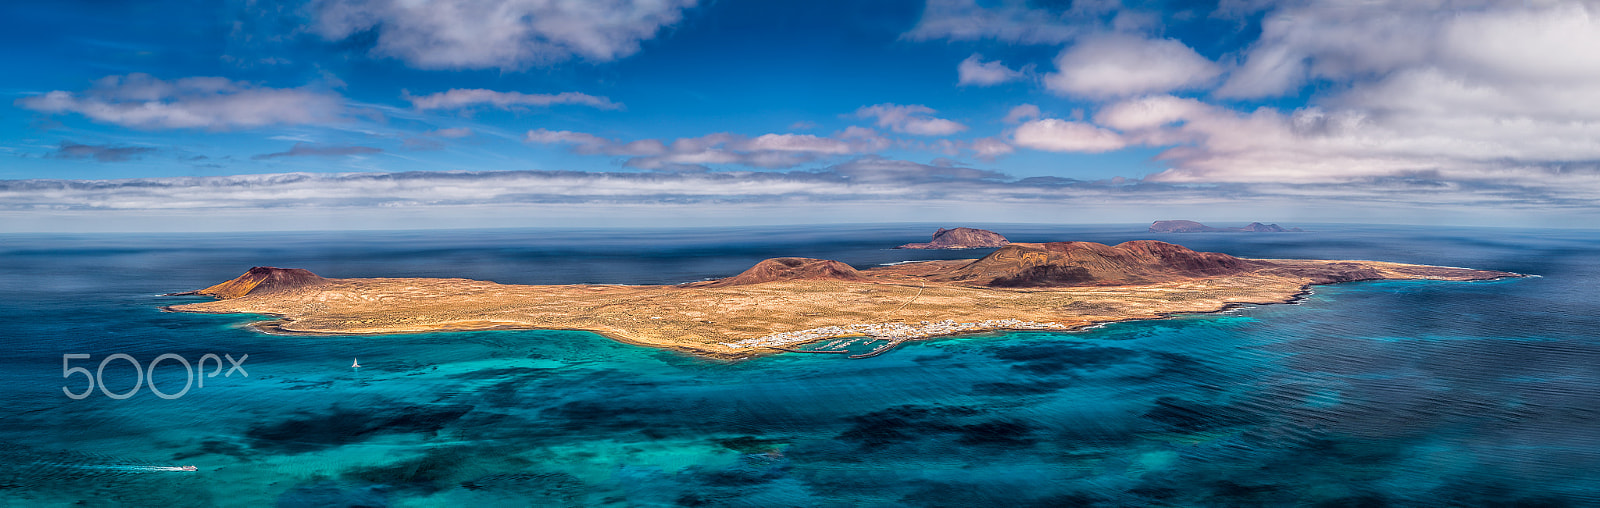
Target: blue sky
477,113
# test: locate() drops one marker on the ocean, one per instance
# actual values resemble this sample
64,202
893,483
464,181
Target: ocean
1390,393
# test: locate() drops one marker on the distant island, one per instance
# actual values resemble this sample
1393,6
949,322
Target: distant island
961,238
1189,226
782,303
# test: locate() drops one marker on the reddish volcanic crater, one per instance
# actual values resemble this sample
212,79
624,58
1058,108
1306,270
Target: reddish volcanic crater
961,238
261,280
781,269
1058,264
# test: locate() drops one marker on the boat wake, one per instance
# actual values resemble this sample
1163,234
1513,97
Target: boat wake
29,462
47,468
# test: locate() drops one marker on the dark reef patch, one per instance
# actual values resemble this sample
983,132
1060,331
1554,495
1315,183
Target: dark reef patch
327,493
1061,357
997,433
548,485
503,372
1012,389
1187,416
751,444
961,494
339,426
902,423
429,473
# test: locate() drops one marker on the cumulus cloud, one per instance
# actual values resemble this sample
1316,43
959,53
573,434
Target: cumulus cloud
1475,94
990,148
910,119
100,153
1014,21
144,102
696,154
503,34
1022,113
579,139
1148,112
308,149
460,98
1053,135
1115,65
975,71
1494,42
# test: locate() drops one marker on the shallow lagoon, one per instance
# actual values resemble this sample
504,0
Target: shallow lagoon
1410,393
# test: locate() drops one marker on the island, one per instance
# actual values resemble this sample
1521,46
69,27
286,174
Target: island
783,303
961,238
1189,226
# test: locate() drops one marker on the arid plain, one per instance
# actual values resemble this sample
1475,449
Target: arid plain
786,302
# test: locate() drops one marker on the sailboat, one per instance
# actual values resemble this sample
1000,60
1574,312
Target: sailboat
355,364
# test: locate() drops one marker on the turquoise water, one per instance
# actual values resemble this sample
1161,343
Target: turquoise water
1369,394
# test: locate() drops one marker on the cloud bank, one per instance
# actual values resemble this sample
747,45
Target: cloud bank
460,98
772,151
309,150
100,153
141,101
863,179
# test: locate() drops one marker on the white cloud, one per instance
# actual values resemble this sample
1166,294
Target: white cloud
695,154
1470,39
1474,94
991,148
504,34
100,153
1063,136
1115,65
866,186
799,143
144,102
465,98
581,140
1022,113
910,119
1148,112
965,20
975,71
862,178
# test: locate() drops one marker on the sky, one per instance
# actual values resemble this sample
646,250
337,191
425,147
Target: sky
194,115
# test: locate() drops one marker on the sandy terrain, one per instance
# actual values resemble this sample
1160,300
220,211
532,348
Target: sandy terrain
744,320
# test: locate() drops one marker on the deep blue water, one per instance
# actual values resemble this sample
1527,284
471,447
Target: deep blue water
1368,394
